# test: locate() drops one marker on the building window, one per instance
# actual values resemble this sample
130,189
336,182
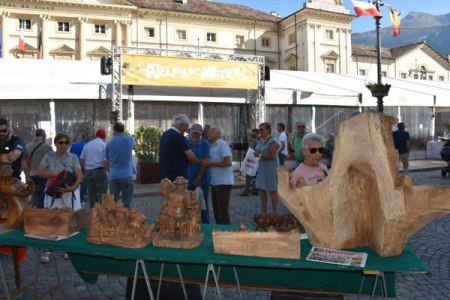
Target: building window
100,28
149,32
430,77
416,76
240,40
25,24
403,75
329,34
291,38
362,72
423,73
211,37
181,35
441,78
384,73
63,26
330,67
265,42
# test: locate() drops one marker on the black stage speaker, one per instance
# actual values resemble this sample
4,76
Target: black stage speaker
106,65
266,73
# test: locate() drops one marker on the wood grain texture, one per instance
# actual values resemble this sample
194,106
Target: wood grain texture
256,243
363,201
53,222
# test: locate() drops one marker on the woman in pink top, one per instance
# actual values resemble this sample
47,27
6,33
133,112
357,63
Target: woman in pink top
311,170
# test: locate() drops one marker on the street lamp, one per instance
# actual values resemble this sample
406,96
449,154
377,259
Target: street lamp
378,90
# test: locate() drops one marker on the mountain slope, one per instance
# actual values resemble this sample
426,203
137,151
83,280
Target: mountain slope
415,27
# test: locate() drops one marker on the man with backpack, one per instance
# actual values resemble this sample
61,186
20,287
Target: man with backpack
36,151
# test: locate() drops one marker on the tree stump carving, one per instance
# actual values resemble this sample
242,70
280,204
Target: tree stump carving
363,201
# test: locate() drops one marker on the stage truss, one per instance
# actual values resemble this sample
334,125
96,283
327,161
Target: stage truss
255,98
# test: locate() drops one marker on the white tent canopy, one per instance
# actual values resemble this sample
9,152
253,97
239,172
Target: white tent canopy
307,88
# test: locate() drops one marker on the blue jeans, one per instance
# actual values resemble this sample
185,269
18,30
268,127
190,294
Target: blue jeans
124,185
39,194
97,184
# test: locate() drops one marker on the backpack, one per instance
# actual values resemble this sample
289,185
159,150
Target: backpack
58,181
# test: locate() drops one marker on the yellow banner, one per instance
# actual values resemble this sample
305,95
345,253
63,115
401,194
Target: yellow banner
188,72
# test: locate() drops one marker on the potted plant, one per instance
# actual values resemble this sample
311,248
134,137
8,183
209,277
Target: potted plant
378,89
147,153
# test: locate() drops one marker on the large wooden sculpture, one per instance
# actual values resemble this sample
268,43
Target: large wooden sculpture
363,201
111,223
179,217
14,195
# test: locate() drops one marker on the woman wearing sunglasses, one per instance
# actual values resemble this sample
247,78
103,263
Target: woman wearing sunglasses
51,165
55,162
311,170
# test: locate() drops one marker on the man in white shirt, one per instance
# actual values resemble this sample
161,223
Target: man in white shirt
92,160
282,144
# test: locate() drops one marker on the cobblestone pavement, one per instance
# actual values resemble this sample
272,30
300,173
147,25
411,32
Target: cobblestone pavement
431,244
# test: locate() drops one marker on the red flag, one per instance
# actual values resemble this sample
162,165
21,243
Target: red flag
40,46
365,9
395,19
21,41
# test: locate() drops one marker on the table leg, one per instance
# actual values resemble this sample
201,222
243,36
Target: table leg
182,282
237,282
378,275
210,268
160,280
147,280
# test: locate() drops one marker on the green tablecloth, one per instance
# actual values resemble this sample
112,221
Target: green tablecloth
89,259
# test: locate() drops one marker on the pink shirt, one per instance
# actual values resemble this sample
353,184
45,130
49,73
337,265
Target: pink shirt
309,175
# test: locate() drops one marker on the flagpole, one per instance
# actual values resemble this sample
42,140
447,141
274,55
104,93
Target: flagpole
378,3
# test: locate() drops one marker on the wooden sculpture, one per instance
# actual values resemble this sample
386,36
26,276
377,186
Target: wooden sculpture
363,201
53,223
280,223
257,243
111,223
14,195
179,217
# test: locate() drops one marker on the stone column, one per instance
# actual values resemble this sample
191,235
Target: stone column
317,59
5,35
118,32
127,25
81,51
44,35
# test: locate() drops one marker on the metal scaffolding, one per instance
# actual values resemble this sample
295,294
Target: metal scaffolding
255,98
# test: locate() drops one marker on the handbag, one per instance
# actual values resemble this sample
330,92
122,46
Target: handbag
200,197
59,181
250,164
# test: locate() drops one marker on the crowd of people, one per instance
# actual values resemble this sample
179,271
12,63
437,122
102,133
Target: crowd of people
198,153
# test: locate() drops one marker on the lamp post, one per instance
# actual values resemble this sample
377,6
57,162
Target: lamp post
379,90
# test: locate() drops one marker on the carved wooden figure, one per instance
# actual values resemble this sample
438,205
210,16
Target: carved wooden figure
13,195
363,201
111,223
179,217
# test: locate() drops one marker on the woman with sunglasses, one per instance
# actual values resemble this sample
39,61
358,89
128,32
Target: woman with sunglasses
311,170
266,178
51,165
55,162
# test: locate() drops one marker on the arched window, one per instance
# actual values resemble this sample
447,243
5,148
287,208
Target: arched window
423,73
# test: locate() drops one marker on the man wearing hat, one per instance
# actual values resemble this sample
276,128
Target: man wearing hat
92,160
36,151
198,175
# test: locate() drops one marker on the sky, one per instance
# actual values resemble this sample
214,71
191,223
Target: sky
361,24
